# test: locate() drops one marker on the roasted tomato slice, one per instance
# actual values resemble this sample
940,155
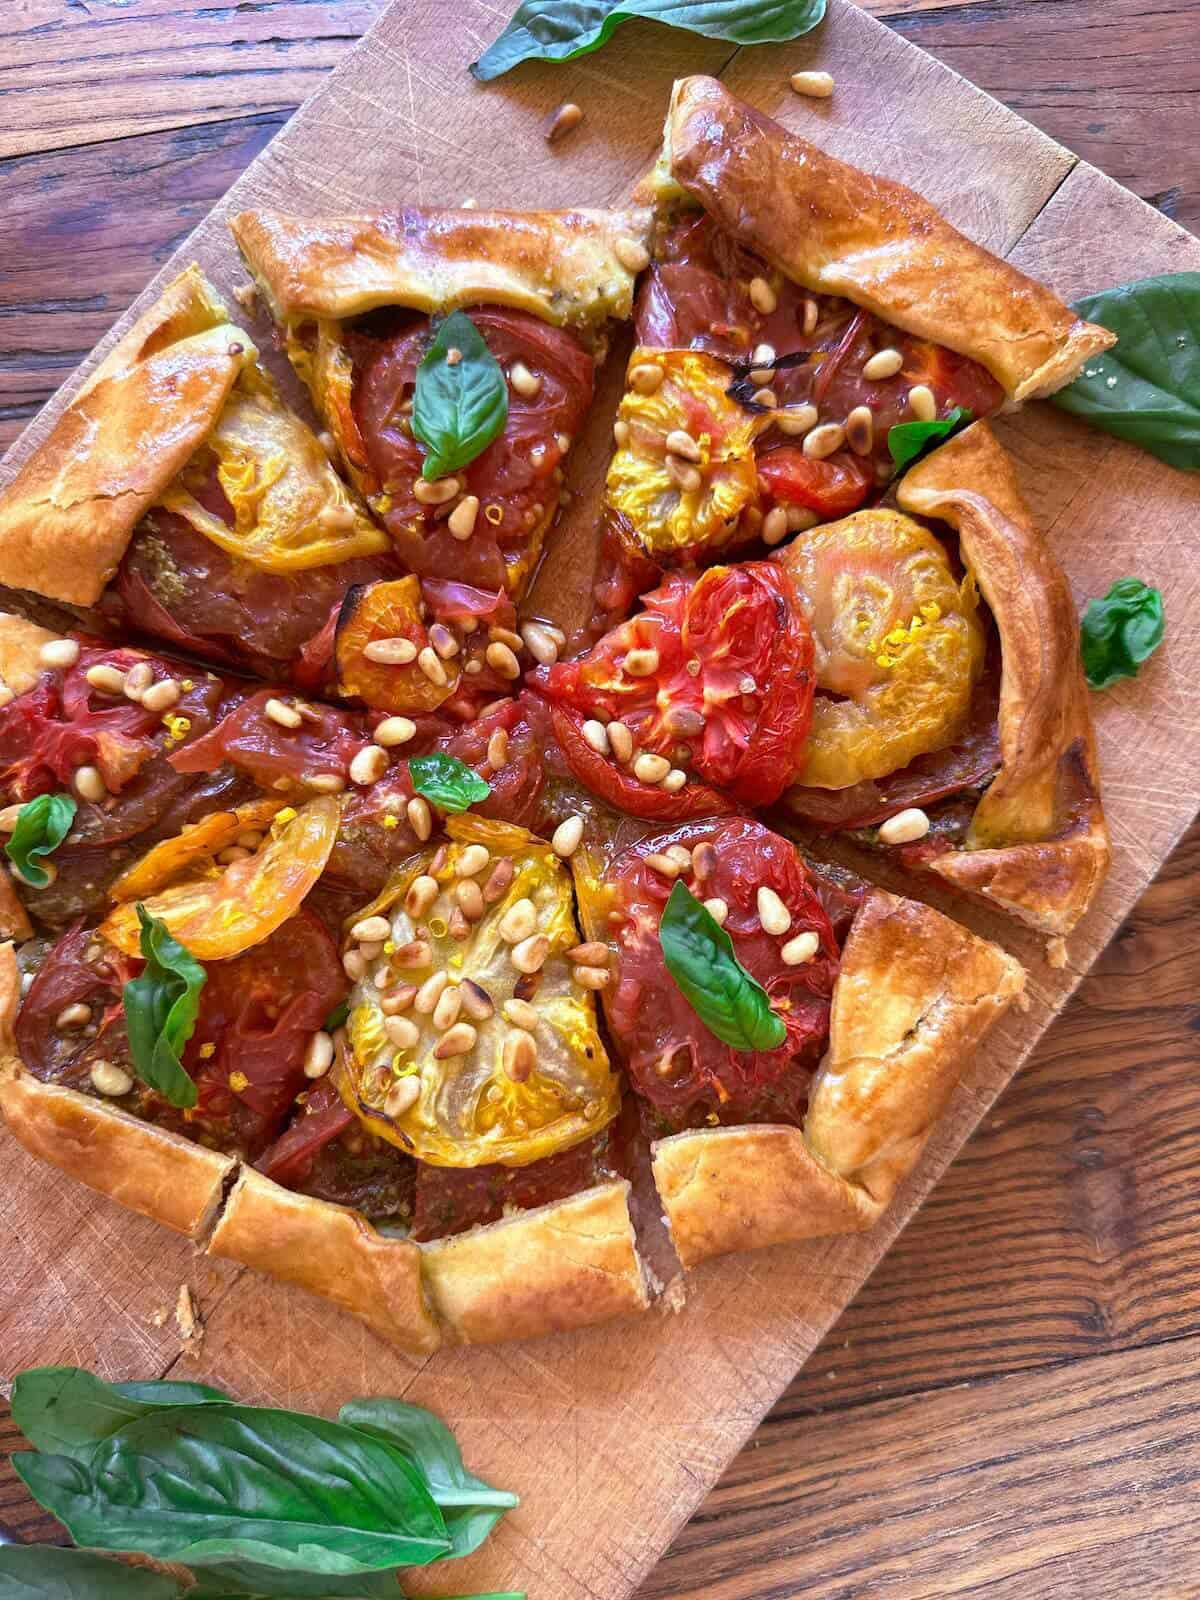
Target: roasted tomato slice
473,1039
832,487
713,679
79,969
685,1072
217,912
391,612
323,745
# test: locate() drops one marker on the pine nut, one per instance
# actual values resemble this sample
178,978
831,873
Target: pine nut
595,953
664,864
436,493
106,678
59,653
680,443
354,965
391,652
704,859
765,397
823,441
469,898
591,977
422,892
530,955
641,663
905,827
717,909
646,377
527,384
561,120
796,420
161,696
883,364
632,255
430,664
505,636
921,402
445,1013
620,739
762,297
498,880
501,659
772,913
368,766
393,731
567,836
443,641
74,1016
233,853
326,782
674,780
520,1013
370,928
284,715
403,1096
318,1058
420,818
109,1079
763,355
138,679
518,1055
518,922
775,525
540,642
90,785
800,949
801,518
461,520
816,85
472,860
430,993
402,1032
476,1001
651,768
416,953
456,1041
860,430
681,855
595,736
812,315
620,433
497,749
398,999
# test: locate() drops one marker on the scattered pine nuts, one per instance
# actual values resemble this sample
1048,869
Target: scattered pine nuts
368,929
772,913
392,652
567,836
595,953
402,1096
107,1078
161,696
520,1013
561,120
540,642
430,993
443,641
420,818
393,731
502,659
279,712
663,864
904,827
518,922
775,525
497,749
765,397
59,653
620,433
106,678
591,977
800,949
89,785
921,402
402,1032
476,1001
812,315
368,766
816,85
680,443
518,1056
354,965
823,441
860,430
318,1058
445,1013
530,954
527,384
456,1041
472,860
620,739
422,892
717,909
430,664
674,780
326,782
796,420
461,520
74,1016
646,377
650,768
437,493
641,663
762,297
413,955
595,735
883,364
498,880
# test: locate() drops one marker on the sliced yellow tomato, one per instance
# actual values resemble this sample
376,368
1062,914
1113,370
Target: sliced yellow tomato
217,912
389,609
291,510
192,849
506,1093
670,516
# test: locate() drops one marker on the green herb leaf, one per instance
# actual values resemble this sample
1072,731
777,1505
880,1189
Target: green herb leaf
271,1499
459,408
48,1572
42,825
1119,632
67,1411
699,956
336,1017
161,1008
245,1580
471,1508
447,781
908,440
1146,389
560,30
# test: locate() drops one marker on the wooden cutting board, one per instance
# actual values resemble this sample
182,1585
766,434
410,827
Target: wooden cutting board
613,1435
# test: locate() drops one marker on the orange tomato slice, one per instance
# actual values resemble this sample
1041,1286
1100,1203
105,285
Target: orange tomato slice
197,844
219,912
389,609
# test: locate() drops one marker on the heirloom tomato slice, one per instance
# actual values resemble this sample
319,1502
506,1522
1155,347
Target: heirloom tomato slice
388,610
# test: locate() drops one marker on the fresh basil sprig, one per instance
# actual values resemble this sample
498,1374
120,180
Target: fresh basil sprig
48,1572
459,405
908,440
42,825
699,956
447,781
1146,389
560,30
161,1008
68,1411
1120,631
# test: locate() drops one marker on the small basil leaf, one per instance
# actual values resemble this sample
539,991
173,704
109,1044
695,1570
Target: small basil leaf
447,781
699,956
337,1017
209,1485
471,1507
161,1008
245,1580
458,407
1146,389
908,440
49,1572
42,825
67,1411
560,30
1119,632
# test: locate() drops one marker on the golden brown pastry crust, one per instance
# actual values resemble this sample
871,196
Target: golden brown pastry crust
20,650
1038,844
565,1265
67,517
837,230
914,996
726,1189
561,266
331,1251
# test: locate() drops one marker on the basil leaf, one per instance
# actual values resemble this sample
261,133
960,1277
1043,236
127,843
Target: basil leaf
1119,632
699,956
161,1008
245,1580
295,1496
908,440
67,1411
447,781
560,30
471,1508
336,1017
1147,388
459,408
48,1572
42,825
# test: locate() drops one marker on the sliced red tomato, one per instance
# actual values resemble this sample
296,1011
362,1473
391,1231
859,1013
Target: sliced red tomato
686,1073
77,970
327,1153
715,675
832,488
389,611
326,741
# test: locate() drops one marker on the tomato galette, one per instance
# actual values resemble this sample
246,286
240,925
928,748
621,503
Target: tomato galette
366,932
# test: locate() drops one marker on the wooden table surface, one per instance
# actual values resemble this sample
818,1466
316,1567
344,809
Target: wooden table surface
1009,1407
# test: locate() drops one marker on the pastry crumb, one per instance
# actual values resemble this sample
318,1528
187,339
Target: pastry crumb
158,1316
187,1318
246,296
1056,953
674,1296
